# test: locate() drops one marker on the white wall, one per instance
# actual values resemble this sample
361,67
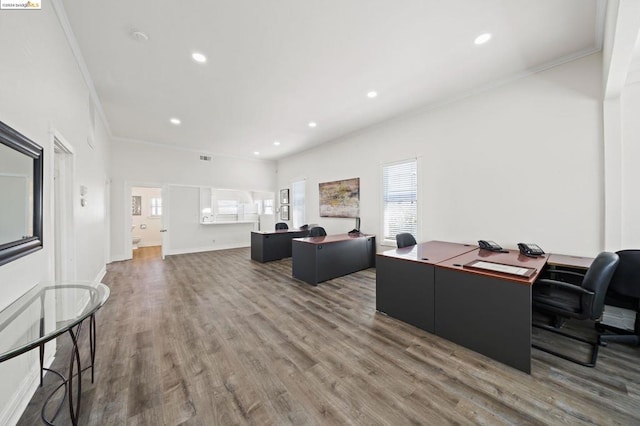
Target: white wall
630,169
522,162
139,164
150,231
188,235
41,88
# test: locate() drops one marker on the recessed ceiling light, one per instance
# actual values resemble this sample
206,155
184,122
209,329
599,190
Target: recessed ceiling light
312,124
175,121
276,143
372,94
256,153
482,38
199,57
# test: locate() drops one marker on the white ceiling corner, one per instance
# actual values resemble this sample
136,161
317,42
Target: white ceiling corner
274,66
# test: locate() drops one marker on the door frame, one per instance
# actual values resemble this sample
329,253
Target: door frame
128,187
64,241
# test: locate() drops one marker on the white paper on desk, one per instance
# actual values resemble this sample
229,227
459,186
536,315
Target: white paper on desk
497,267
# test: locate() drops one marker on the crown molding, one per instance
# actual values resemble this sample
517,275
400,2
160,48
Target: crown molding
189,149
415,112
58,7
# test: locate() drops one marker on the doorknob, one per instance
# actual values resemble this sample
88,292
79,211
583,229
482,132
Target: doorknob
163,230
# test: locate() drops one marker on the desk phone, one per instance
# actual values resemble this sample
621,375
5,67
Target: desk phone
531,250
489,245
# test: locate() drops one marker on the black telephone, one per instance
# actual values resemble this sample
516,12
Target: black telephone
489,245
531,250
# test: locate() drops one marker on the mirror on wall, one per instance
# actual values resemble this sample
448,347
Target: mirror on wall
20,195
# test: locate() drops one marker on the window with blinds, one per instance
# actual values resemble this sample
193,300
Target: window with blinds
156,207
400,198
298,203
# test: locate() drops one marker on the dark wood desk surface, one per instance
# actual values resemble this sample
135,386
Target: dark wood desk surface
513,258
570,261
279,231
430,252
332,238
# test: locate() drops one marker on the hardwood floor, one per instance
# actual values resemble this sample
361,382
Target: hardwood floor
215,338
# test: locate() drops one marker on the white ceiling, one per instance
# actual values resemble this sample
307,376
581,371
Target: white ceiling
273,66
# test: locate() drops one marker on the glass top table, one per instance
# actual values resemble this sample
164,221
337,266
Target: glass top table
45,312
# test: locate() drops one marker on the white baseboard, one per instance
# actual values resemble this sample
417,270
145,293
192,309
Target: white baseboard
208,248
120,258
151,244
25,391
101,274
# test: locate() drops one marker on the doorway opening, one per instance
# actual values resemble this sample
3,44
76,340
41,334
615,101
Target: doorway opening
147,210
64,230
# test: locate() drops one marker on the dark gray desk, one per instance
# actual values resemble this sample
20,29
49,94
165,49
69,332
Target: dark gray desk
488,312
317,259
405,281
273,245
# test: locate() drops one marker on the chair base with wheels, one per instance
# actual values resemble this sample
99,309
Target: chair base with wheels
594,345
561,297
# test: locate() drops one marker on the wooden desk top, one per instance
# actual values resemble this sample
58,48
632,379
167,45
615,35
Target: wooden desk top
280,231
430,252
513,258
332,238
570,261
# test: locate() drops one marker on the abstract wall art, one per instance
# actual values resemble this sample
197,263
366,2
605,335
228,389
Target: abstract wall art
340,198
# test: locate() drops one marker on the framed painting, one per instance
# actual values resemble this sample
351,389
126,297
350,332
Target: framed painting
136,205
340,198
284,196
284,212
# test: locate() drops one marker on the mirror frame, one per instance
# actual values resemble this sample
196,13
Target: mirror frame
15,249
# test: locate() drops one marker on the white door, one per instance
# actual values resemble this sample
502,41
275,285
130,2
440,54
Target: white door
64,235
165,220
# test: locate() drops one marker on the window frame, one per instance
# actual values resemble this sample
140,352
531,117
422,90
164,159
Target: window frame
158,207
390,241
293,207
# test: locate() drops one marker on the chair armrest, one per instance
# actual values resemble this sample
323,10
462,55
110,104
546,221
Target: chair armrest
563,285
564,272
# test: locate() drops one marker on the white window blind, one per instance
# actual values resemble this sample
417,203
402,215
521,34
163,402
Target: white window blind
298,203
400,198
268,207
227,206
156,207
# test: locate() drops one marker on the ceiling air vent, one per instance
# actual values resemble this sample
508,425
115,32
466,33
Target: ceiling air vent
205,157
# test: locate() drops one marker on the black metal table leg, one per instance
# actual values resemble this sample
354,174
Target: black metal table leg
67,383
92,342
75,358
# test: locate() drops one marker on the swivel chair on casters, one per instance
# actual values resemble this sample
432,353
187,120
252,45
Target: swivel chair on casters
281,225
625,290
317,231
405,239
564,300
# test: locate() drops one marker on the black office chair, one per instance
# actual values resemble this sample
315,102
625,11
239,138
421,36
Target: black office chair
405,240
624,291
281,225
564,300
317,231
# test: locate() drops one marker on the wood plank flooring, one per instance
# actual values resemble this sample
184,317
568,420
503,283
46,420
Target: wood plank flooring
217,339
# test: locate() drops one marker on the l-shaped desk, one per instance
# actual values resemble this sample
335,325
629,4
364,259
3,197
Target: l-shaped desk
431,286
